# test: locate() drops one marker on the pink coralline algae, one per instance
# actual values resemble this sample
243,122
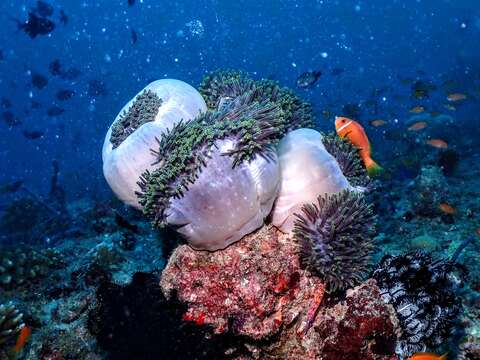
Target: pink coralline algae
257,289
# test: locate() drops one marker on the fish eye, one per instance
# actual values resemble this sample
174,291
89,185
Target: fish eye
343,121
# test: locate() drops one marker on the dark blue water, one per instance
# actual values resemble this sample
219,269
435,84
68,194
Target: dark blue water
374,42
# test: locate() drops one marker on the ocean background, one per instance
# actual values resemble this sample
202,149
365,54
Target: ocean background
377,43
408,71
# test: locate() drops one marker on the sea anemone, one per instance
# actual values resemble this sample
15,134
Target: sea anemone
307,171
335,238
347,158
422,291
126,150
11,321
221,87
218,174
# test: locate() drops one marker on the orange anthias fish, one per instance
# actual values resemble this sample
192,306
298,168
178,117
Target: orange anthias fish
438,143
447,209
419,125
23,338
417,109
378,122
354,132
456,97
428,356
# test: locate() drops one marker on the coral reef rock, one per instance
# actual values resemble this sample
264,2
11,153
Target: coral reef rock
136,321
257,290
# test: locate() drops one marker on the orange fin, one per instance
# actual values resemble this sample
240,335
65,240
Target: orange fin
373,169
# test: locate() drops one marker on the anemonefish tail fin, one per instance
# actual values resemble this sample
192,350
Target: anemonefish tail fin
444,356
373,169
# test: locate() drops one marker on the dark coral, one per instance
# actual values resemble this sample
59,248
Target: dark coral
253,127
143,110
335,238
25,265
347,158
221,87
422,291
136,321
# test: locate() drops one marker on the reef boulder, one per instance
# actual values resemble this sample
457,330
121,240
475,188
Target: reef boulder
257,291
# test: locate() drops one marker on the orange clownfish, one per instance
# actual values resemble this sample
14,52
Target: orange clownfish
354,132
428,356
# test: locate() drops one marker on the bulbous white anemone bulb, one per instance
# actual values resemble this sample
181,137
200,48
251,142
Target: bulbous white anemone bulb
307,171
127,156
225,203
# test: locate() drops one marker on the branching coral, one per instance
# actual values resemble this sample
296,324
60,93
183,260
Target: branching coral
348,159
11,321
144,109
221,87
23,265
422,291
335,238
228,154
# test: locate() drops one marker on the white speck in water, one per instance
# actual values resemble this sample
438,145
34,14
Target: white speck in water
294,64
324,55
195,27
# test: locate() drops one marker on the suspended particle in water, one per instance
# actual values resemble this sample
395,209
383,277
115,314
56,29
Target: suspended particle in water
195,27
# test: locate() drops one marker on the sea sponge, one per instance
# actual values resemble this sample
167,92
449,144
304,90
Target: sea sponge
347,158
126,150
219,174
335,238
11,321
221,87
422,291
307,171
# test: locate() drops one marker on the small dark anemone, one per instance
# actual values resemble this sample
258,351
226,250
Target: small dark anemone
143,110
253,127
347,158
422,290
223,86
335,238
